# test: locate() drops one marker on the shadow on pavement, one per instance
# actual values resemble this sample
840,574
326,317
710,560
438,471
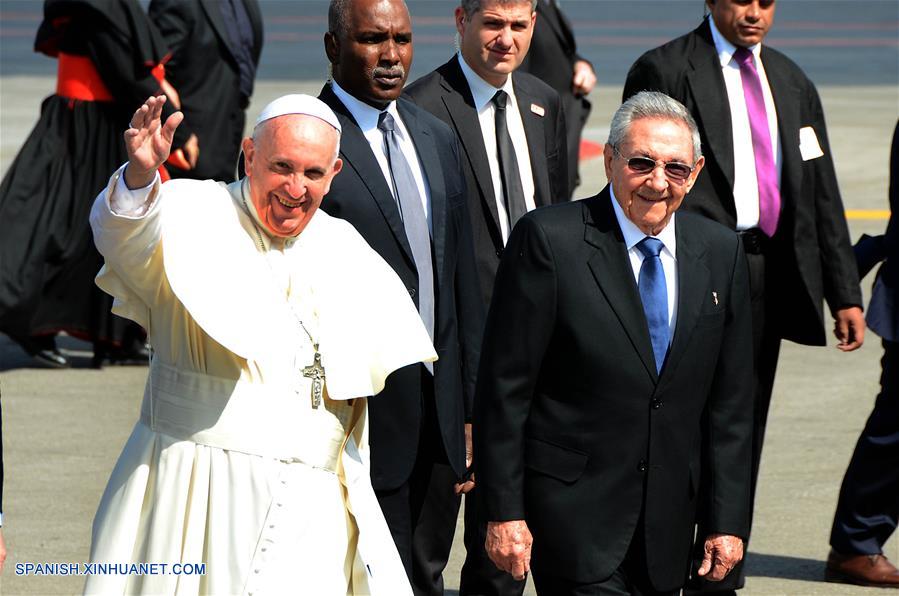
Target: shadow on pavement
784,567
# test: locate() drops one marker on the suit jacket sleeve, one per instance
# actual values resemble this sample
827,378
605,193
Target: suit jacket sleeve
519,327
840,272
647,75
175,20
730,414
890,270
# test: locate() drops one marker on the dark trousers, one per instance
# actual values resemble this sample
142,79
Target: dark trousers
421,512
868,508
432,543
432,540
765,350
630,579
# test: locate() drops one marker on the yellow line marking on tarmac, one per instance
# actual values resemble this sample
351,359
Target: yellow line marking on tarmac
867,214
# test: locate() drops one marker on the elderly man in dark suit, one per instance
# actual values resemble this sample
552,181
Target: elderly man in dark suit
613,377
403,189
770,176
215,48
868,509
554,59
514,157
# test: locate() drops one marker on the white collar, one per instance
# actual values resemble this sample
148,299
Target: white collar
366,116
726,49
481,90
633,235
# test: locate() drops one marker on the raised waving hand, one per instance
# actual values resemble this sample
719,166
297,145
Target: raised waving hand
148,141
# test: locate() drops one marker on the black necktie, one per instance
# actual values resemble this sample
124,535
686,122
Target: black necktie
508,163
414,221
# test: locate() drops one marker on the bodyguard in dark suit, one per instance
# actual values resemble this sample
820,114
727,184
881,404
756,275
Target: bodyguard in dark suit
215,50
530,170
554,59
868,510
613,377
540,148
402,188
770,176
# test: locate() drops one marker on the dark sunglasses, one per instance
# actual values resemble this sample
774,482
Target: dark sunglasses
674,170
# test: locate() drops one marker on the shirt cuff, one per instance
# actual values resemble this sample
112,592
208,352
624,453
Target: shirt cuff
132,202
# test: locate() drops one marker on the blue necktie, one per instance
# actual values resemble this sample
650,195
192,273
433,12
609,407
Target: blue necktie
654,294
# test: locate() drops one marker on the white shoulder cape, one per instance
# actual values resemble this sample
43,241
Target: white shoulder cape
368,325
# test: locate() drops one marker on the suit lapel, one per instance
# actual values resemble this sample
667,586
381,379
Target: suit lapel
536,139
692,285
214,12
612,271
460,106
710,94
787,101
433,170
356,153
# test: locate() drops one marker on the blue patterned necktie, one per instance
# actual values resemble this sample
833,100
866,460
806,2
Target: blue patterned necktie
654,295
414,221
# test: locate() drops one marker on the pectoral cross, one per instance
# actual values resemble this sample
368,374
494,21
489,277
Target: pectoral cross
316,372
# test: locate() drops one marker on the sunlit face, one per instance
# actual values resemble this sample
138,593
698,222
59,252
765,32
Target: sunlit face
371,60
743,23
649,200
290,166
496,38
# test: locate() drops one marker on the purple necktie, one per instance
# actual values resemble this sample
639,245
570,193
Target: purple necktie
765,170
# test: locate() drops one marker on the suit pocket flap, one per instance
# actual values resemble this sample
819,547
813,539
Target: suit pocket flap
560,462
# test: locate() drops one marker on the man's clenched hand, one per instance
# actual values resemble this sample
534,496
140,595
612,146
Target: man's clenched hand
509,547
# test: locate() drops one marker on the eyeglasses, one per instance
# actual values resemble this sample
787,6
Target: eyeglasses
674,170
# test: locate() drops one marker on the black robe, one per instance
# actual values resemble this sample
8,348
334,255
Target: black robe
47,256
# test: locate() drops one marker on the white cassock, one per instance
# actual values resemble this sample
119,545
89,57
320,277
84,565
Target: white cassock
230,465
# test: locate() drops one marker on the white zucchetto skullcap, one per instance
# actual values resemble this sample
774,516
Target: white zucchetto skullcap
298,104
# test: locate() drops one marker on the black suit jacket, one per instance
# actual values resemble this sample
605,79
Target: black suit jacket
205,73
445,94
574,428
551,59
890,269
813,255
360,195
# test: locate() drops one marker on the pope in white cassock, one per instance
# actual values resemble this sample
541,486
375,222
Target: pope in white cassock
268,319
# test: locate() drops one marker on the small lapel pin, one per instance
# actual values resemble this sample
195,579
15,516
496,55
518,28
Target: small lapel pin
715,297
538,110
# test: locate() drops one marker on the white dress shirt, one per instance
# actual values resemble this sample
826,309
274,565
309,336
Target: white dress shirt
483,93
746,187
633,235
366,117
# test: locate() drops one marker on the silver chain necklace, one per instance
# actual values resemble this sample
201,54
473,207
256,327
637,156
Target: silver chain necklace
315,371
